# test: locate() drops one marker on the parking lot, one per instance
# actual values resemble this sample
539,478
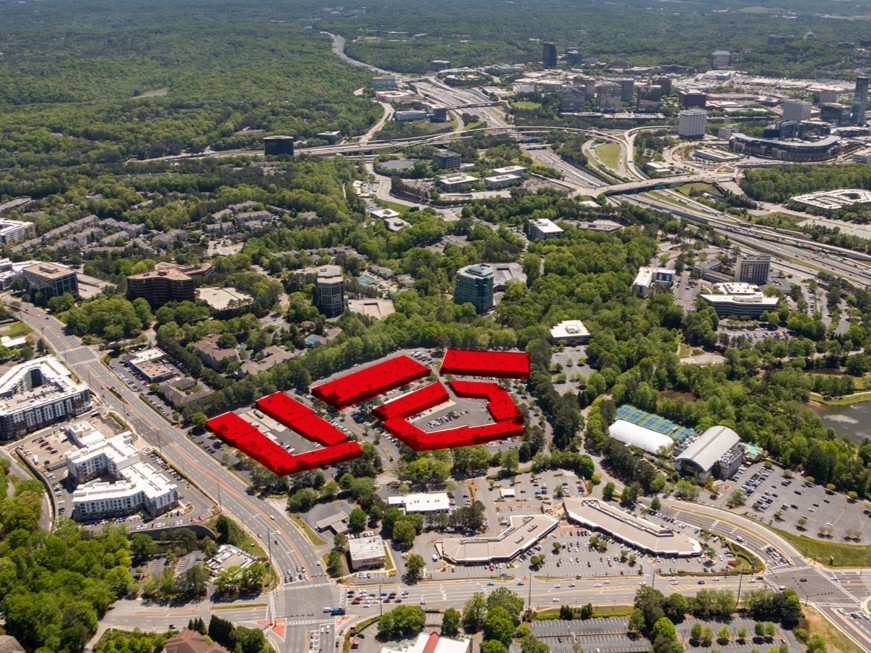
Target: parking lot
604,635
568,551
576,557
138,384
787,501
572,360
781,636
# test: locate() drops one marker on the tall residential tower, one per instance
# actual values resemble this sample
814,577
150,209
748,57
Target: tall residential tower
860,101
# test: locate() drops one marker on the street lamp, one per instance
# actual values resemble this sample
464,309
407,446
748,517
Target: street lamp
269,535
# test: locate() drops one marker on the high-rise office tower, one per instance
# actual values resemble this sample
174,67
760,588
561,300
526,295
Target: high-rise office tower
753,268
608,97
475,285
548,55
797,110
330,290
860,101
692,123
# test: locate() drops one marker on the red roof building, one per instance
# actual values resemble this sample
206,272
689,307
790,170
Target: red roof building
499,403
414,402
300,418
499,364
238,433
371,382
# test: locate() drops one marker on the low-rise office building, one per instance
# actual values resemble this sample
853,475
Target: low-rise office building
570,333
410,115
149,364
422,502
53,279
374,307
456,183
542,228
167,282
647,277
38,393
739,299
502,181
366,552
509,170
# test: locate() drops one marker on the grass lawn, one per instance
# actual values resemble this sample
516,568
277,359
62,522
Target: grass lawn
388,559
777,219
689,189
247,543
836,641
526,105
612,611
846,555
609,153
387,204
549,614
305,528
684,350
14,329
854,398
662,197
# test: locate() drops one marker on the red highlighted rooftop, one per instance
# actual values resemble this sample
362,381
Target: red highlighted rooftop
499,364
238,433
371,382
414,402
300,418
508,420
374,381
499,403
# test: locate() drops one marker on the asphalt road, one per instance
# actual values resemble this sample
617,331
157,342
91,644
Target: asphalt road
295,602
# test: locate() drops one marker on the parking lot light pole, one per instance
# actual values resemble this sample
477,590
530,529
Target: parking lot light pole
529,601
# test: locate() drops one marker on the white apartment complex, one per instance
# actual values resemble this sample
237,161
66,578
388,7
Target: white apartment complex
37,393
11,231
135,486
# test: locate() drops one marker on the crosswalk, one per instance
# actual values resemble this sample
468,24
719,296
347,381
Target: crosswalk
297,585
309,622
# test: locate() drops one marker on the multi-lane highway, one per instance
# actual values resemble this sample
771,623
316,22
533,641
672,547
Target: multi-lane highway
296,609
294,602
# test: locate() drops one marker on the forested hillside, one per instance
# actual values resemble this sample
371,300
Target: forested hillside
214,75
407,34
